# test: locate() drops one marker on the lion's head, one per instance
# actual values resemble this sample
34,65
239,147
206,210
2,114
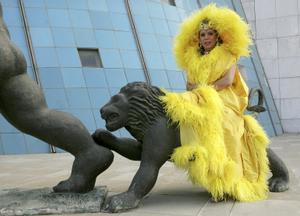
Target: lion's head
135,107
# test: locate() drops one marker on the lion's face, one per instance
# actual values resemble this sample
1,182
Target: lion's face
115,112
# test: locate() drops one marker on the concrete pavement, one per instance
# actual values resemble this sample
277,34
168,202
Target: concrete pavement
173,194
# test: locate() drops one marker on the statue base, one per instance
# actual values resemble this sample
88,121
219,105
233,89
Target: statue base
45,201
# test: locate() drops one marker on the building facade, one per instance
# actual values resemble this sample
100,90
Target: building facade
82,51
276,27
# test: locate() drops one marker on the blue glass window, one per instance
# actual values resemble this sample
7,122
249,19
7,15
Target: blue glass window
171,12
169,61
135,75
34,3
80,19
9,3
165,43
41,37
68,57
78,97
160,26
35,145
77,4
56,3
56,98
154,60
116,6
46,57
63,37
156,10
12,17
115,77
6,127
1,147
125,40
13,144
73,77
101,20
143,24
159,78
97,5
87,118
98,97
120,22
37,17
59,18
139,7
100,123
17,36
173,27
85,38
149,42
111,58
94,77
106,39
51,77
130,59
176,80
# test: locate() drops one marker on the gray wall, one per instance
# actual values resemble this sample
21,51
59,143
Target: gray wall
276,28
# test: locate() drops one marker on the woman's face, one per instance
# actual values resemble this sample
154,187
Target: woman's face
208,39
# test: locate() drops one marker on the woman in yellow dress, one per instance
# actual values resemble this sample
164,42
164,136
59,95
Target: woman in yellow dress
222,149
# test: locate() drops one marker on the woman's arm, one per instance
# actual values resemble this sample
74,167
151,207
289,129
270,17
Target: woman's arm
226,80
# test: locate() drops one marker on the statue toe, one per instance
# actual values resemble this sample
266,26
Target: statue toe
278,184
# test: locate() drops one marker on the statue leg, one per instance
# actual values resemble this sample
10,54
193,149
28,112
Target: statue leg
23,105
280,179
155,152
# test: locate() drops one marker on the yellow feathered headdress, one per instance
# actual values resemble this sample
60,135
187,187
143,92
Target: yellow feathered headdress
232,30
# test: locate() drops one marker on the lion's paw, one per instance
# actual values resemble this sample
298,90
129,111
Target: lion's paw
103,137
278,184
121,202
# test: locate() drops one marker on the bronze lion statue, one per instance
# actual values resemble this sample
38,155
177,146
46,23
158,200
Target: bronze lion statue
137,108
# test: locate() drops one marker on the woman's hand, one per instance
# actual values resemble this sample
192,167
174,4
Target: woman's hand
190,86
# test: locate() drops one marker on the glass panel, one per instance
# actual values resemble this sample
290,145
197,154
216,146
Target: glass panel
80,19
41,37
56,98
14,144
130,59
85,38
59,18
68,57
73,77
78,98
97,5
106,39
111,58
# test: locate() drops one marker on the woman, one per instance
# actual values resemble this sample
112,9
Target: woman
222,149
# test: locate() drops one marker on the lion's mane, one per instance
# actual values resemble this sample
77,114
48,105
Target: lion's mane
145,107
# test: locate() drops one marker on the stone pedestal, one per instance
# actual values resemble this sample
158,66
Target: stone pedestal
44,201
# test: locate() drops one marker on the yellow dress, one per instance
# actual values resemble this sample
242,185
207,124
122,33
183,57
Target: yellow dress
222,149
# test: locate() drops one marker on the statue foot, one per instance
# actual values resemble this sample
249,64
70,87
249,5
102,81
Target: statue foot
86,167
121,202
278,184
75,184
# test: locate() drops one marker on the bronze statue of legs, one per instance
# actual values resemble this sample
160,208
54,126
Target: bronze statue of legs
23,104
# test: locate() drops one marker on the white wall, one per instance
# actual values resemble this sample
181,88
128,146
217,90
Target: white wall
276,28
